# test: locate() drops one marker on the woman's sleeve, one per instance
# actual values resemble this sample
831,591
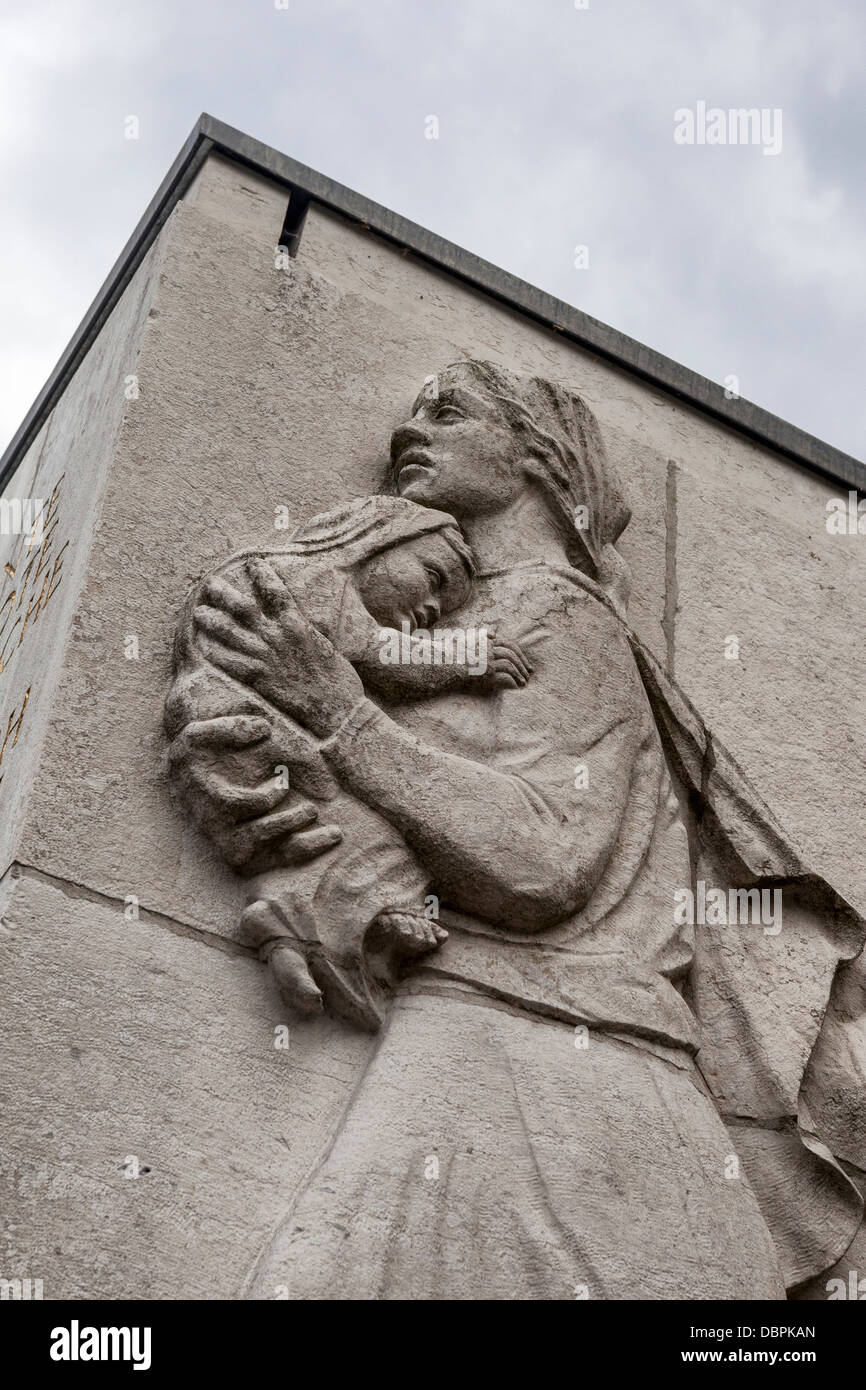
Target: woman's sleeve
525,851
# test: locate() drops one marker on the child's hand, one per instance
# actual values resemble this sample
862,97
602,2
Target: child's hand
508,666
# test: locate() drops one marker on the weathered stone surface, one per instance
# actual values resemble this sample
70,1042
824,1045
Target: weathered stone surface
302,410
268,391
70,461
137,1040
240,198
755,562
560,892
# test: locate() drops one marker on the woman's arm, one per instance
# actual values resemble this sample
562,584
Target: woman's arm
496,845
520,852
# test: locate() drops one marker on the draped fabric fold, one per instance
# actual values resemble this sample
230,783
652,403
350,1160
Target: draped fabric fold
762,999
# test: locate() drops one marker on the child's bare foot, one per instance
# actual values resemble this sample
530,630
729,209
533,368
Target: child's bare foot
294,981
261,928
412,932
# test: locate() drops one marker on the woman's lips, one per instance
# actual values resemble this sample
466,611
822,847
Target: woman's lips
414,471
414,464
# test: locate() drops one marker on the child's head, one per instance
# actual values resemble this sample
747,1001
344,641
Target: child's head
409,563
417,580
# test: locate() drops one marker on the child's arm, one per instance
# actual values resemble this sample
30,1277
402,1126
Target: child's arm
406,666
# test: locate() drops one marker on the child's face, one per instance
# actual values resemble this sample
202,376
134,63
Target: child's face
415,582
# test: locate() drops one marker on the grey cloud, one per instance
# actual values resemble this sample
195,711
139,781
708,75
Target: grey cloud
556,128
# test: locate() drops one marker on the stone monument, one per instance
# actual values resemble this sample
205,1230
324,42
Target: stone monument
431,784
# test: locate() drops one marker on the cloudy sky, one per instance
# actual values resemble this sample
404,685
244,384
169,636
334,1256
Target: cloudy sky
556,130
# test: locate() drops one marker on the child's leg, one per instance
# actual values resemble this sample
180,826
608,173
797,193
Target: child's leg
261,927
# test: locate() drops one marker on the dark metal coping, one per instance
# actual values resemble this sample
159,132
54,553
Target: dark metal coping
307,186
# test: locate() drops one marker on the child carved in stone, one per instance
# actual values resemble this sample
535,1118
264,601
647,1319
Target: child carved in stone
373,577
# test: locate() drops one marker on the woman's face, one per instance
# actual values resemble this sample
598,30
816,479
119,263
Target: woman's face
455,453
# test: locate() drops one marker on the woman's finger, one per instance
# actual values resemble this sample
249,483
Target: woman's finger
260,801
243,668
515,648
254,845
226,630
221,594
506,659
217,803
285,821
307,844
272,593
242,803
225,731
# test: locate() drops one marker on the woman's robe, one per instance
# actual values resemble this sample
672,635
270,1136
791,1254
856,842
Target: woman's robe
602,1167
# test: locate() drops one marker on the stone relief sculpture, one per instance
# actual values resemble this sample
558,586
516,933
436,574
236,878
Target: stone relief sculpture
376,569
581,1068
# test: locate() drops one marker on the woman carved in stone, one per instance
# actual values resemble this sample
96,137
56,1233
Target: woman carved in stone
564,1091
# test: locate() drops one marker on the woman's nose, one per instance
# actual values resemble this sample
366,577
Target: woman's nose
406,435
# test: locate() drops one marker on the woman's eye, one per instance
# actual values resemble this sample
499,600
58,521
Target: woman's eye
435,578
445,411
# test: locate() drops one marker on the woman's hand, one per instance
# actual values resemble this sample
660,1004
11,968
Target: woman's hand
255,823
267,643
